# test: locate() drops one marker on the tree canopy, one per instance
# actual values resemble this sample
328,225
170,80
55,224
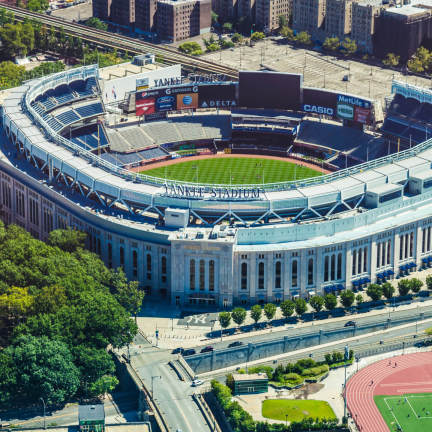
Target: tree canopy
60,308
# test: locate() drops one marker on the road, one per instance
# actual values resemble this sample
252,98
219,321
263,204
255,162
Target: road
174,397
296,330
371,342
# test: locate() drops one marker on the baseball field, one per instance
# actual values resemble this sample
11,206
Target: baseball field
234,170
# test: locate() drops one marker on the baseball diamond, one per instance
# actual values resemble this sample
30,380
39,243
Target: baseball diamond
240,230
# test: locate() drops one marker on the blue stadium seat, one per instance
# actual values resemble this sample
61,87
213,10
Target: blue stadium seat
90,110
67,117
152,153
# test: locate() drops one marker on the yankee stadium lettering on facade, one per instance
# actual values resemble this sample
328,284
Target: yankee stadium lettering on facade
210,192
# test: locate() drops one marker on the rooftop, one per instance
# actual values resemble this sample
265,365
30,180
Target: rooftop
416,7
250,377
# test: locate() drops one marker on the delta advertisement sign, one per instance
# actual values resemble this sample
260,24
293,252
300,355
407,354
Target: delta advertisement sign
150,101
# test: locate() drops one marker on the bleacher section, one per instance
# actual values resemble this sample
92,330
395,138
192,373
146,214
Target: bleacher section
136,138
90,110
88,138
64,94
163,132
404,106
67,117
393,126
357,144
152,153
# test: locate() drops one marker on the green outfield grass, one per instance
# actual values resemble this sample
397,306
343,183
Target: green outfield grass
412,415
233,170
296,409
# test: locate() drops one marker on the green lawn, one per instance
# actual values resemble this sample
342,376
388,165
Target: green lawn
296,410
414,415
233,170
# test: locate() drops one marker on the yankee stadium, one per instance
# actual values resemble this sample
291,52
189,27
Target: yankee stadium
221,192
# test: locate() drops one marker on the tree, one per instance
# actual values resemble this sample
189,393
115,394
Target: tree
374,291
214,18
304,38
8,378
415,65
331,44
45,369
213,47
330,301
237,38
429,282
391,60
283,22
96,23
347,298
105,384
269,311
224,319
256,312
415,285
238,315
11,75
225,44
192,48
67,240
359,299
349,47
388,290
287,308
404,287
37,5
227,27
300,306
287,33
257,36
131,297
317,302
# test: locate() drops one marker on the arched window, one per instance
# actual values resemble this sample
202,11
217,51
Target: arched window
202,275
359,262
192,274
365,259
135,263
211,275
149,266
326,268
278,269
339,266
388,251
378,254
243,281
164,265
261,275
122,259
294,273
310,272
333,267
109,255
354,261
383,254
411,249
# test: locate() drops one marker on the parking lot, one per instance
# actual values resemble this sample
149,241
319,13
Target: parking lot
319,70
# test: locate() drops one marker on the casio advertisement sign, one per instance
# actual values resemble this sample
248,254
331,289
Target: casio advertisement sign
316,109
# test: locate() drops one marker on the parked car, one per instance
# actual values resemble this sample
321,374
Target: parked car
197,382
189,352
207,349
177,351
350,324
235,344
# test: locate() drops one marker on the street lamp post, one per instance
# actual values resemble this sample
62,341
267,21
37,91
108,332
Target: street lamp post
44,412
344,393
152,378
286,419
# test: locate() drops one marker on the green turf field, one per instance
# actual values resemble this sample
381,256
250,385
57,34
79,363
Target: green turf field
412,415
296,409
233,171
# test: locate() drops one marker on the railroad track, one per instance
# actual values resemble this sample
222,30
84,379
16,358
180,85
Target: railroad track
124,43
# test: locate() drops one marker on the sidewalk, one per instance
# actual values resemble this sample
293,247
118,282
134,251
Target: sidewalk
173,335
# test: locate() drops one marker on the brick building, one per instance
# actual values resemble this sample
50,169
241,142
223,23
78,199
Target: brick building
268,12
309,15
145,15
338,18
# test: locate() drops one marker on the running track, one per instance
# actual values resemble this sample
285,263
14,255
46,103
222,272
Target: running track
413,374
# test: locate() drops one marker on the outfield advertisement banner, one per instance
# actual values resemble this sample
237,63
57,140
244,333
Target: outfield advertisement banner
217,95
166,99
354,108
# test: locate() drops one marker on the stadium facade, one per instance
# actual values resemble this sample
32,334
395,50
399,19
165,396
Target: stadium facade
216,244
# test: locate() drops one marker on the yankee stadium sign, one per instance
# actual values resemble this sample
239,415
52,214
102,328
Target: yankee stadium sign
210,192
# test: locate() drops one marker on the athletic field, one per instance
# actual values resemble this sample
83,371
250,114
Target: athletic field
407,413
233,170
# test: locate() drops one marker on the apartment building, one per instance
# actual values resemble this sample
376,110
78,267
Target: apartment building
145,15
363,26
338,18
267,13
181,19
123,12
102,9
309,15
225,9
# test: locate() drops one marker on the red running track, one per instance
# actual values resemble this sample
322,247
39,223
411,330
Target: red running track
411,373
